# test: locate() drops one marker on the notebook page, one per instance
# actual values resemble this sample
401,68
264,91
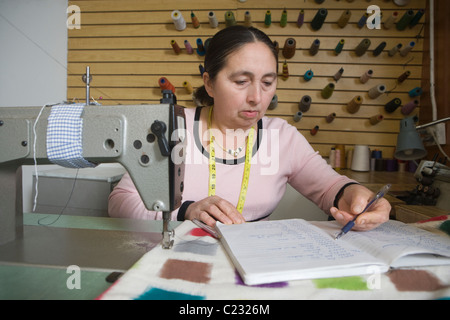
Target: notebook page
281,246
394,239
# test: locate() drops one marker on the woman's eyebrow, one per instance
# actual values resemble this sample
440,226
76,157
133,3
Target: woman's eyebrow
251,74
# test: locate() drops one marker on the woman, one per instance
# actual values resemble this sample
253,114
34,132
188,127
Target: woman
238,161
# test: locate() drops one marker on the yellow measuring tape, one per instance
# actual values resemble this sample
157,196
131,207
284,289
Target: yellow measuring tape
212,166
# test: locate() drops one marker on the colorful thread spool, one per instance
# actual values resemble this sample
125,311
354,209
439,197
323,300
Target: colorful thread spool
416,92
376,119
268,19
188,47
229,19
417,18
379,49
363,20
314,130
314,47
200,48
178,20
392,105
330,117
395,49
305,103
164,84
339,46
377,91
390,21
403,77
366,76
341,148
188,87
409,107
273,103
404,52
298,116
405,20
338,74
277,46
247,19
175,46
308,75
194,19
283,20
289,48
345,17
201,69
213,22
362,47
354,104
301,18
327,92
285,74
319,19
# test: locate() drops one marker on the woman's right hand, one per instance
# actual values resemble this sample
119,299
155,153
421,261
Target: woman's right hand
212,209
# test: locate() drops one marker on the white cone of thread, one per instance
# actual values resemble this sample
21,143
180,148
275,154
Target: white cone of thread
178,20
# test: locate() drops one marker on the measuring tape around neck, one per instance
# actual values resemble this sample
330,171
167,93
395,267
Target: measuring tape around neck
212,165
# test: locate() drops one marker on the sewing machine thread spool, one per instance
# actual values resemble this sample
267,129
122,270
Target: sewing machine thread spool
308,75
188,47
247,19
164,84
409,107
339,47
405,20
188,87
416,92
194,19
377,91
178,20
213,22
273,103
415,20
327,92
200,48
301,18
345,17
403,77
390,21
175,47
289,48
319,19
283,20
366,76
314,47
362,47
268,19
201,68
379,49
394,50
314,130
362,21
404,52
285,74
305,103
298,116
330,117
229,19
376,119
392,105
338,74
354,105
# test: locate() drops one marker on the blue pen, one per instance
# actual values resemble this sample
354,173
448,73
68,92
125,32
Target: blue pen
380,194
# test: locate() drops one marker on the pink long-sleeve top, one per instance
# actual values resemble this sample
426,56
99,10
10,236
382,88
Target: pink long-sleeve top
280,155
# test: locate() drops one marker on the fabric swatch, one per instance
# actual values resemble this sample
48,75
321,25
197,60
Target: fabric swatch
193,271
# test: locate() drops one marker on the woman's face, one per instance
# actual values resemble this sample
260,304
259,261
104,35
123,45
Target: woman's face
244,88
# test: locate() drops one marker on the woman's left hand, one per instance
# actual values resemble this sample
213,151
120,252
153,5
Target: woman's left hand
353,201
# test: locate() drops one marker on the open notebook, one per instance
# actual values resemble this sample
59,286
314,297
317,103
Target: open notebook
282,250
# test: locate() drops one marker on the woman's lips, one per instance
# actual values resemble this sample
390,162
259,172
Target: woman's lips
250,113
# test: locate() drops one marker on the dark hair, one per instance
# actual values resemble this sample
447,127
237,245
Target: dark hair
222,44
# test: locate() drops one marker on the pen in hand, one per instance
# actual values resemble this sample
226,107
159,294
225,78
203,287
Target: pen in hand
380,194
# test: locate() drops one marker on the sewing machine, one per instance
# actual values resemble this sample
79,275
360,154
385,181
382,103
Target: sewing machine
145,139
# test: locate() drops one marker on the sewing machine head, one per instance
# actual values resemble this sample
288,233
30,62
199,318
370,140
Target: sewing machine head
145,139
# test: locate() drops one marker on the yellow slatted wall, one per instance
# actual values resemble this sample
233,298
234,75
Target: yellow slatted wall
127,46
